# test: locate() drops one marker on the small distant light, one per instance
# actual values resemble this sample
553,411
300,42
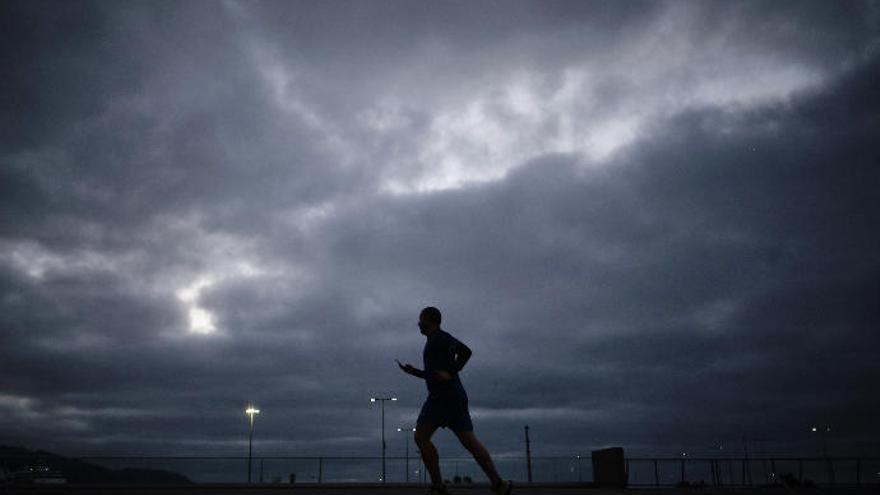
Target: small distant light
394,398
684,453
374,400
814,428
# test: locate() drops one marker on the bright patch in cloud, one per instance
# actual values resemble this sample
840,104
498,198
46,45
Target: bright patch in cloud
200,320
36,261
591,112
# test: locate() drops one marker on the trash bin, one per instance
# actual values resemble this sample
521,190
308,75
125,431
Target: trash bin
609,468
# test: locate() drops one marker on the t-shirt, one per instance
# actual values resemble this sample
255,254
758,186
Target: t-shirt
439,354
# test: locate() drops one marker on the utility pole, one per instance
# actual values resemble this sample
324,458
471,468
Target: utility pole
746,467
528,455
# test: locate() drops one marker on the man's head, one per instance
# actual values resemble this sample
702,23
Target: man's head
429,320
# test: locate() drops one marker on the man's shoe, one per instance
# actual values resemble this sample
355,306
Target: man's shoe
438,490
503,488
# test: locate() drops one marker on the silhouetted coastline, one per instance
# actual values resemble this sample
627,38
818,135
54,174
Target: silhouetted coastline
19,459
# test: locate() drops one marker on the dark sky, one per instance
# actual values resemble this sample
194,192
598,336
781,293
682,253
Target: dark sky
655,224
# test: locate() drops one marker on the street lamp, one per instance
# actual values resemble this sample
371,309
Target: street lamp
406,443
251,411
822,431
382,400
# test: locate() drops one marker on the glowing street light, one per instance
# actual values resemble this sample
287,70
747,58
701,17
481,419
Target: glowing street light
251,411
382,400
406,443
822,431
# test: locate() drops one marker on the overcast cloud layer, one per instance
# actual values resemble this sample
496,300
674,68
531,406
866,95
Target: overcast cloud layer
655,224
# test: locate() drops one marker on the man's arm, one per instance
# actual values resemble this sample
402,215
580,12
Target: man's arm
411,370
462,354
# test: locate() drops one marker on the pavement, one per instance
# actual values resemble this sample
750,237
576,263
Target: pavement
410,489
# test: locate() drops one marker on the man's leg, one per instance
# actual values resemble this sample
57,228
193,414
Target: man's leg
481,455
423,434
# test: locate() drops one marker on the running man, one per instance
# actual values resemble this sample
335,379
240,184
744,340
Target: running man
447,404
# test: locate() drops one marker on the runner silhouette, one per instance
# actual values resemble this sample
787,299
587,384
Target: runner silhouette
447,403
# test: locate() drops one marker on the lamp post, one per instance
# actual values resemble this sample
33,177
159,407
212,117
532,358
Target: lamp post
406,449
822,431
251,411
382,400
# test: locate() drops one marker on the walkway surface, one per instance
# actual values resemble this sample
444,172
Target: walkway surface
402,489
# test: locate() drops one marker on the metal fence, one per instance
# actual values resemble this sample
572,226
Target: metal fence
642,471
847,471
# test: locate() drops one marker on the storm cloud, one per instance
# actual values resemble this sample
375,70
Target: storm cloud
655,224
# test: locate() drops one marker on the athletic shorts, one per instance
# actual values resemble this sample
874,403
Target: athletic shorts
447,410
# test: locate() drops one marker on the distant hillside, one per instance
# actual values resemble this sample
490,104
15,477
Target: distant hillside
75,471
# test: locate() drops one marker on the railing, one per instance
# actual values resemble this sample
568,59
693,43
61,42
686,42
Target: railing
642,471
848,471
